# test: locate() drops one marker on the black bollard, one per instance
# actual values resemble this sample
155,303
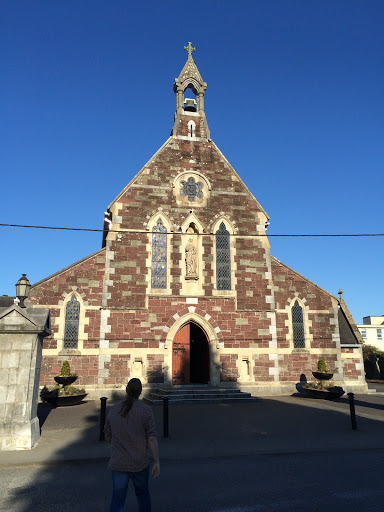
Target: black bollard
165,416
351,397
103,409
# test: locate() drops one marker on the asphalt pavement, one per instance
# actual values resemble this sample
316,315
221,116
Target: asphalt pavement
275,425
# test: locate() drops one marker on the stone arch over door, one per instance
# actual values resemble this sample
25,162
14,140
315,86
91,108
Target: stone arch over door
176,335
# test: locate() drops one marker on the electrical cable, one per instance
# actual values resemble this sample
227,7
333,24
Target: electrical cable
189,234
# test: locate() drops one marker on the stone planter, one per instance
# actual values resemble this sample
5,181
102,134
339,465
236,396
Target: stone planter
61,401
65,381
322,375
324,393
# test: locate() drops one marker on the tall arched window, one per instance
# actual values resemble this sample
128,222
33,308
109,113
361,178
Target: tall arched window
72,315
159,256
223,258
298,326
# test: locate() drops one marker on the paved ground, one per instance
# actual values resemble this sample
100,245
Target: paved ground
273,425
305,482
278,454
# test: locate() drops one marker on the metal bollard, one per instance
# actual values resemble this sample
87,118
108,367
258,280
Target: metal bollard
351,397
165,416
103,408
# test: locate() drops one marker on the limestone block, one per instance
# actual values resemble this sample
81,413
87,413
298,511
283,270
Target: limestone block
20,344
6,344
241,321
3,393
24,358
11,395
22,376
10,360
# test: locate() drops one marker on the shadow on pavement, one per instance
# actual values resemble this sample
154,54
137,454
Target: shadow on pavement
198,432
62,483
43,411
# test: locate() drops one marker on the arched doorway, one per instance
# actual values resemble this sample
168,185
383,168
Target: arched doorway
190,356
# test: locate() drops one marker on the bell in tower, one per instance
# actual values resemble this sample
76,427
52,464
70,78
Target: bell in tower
190,105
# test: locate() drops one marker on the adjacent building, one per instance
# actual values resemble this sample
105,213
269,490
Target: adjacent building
372,331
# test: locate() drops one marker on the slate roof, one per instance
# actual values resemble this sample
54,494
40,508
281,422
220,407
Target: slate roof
6,301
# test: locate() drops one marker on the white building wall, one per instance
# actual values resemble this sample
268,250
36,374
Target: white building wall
372,331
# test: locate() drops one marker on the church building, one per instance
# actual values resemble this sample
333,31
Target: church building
184,290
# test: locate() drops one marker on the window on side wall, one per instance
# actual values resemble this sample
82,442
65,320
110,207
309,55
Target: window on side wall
72,316
159,256
223,258
364,334
298,326
379,334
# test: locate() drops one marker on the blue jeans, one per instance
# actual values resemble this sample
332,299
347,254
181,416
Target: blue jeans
120,481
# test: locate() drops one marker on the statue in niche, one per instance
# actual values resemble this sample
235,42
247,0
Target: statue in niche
191,260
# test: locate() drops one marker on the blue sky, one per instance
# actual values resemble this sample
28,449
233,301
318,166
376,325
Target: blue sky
294,101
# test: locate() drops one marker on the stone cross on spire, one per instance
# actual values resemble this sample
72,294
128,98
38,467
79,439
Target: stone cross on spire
189,49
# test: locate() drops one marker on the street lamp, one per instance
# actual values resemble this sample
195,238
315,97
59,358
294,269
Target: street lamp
22,290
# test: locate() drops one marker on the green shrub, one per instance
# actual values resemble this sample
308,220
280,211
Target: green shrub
321,366
65,369
369,351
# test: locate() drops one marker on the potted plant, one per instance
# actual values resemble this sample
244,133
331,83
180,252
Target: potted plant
64,394
322,372
321,388
65,378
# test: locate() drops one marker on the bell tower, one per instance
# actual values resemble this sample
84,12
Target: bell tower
190,121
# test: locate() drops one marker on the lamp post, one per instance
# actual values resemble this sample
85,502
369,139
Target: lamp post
22,290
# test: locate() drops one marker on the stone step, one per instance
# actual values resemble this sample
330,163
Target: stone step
192,390
198,394
217,400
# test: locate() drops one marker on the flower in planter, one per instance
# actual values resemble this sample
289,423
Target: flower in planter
66,371
71,391
60,391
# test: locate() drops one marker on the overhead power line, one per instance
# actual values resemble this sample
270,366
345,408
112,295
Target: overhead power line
189,234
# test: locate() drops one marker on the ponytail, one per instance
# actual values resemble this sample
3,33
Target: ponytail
133,391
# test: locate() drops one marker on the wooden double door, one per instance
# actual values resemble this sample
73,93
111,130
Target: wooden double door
190,356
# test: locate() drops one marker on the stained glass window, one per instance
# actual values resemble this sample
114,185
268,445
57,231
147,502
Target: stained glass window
223,258
159,256
298,326
72,314
191,189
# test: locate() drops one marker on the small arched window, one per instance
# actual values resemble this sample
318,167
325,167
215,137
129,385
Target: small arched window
159,256
298,326
223,258
72,316
191,128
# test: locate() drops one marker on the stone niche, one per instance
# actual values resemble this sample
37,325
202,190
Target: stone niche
21,338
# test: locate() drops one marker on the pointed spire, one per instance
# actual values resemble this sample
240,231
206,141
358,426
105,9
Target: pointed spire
190,78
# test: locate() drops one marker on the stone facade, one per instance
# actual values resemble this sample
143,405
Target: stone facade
138,291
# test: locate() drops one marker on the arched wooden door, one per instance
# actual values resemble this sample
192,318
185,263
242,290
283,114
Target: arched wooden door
190,356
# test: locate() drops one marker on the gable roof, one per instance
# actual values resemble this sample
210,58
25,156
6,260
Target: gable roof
68,268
